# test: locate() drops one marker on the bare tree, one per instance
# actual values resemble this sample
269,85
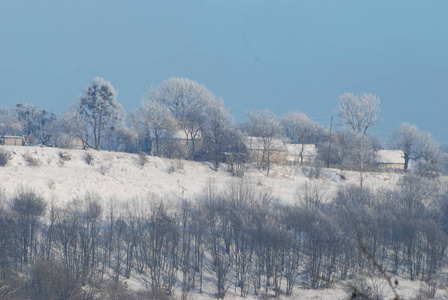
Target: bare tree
263,124
359,112
155,120
361,155
28,208
218,131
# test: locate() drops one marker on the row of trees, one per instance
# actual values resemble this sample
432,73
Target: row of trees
238,238
180,109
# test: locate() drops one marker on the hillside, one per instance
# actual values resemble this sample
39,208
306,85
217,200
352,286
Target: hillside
64,174
61,175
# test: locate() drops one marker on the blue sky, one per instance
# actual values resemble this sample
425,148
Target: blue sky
255,54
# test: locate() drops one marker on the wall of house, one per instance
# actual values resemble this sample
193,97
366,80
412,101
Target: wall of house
13,141
275,157
295,159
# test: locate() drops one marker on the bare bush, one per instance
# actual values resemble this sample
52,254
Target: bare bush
4,157
64,156
313,171
427,290
49,279
89,158
31,161
155,294
312,194
175,166
142,159
373,288
237,164
104,169
117,290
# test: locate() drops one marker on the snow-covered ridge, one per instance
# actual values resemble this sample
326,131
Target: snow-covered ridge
63,174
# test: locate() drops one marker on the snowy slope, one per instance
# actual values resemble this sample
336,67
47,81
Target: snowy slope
61,175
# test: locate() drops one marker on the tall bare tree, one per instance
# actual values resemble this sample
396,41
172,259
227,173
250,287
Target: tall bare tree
219,132
359,112
155,120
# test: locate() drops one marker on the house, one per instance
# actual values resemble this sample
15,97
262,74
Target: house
390,160
178,144
76,143
12,140
300,153
259,148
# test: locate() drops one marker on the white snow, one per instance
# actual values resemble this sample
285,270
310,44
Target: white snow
121,176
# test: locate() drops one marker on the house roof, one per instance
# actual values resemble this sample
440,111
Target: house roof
14,137
390,156
257,143
76,142
296,149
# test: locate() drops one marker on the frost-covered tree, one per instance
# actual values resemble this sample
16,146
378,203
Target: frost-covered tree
36,122
98,108
76,127
9,123
155,120
218,132
359,112
187,101
406,138
353,151
300,129
415,144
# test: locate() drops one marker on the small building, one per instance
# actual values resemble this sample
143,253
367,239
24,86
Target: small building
178,144
390,160
13,140
76,143
300,153
259,148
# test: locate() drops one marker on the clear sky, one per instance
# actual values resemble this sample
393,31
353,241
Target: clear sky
255,54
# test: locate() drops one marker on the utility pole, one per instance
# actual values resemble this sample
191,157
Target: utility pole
329,143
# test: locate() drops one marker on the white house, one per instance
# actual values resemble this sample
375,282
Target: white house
12,140
258,147
390,160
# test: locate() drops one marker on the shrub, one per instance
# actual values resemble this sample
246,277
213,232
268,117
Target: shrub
89,158
32,161
142,159
175,166
49,279
64,156
104,169
4,157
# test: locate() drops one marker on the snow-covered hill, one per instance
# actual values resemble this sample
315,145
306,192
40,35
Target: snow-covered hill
63,174
60,175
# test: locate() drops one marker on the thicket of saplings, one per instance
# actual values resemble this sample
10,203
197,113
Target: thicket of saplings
237,239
